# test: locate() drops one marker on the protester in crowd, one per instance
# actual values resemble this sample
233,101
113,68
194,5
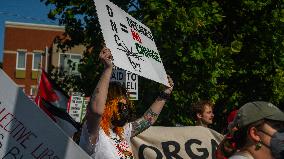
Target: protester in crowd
227,146
258,132
203,112
107,131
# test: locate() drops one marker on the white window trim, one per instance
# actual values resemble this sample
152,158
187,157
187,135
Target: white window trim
33,61
70,54
18,59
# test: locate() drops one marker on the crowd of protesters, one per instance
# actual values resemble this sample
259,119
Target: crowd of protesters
256,130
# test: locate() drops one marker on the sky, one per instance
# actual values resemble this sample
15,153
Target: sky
27,11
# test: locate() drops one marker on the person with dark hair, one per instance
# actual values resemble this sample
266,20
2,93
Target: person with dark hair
107,130
203,112
258,132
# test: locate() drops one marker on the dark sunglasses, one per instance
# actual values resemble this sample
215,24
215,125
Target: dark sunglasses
276,125
122,106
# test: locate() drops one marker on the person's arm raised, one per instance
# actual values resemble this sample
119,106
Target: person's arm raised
151,115
98,100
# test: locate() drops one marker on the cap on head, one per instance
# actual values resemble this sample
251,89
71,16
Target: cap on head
255,111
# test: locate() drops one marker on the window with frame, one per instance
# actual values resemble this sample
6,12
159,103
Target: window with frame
21,60
37,58
69,63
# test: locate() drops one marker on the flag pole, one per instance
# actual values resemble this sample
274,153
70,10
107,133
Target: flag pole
38,83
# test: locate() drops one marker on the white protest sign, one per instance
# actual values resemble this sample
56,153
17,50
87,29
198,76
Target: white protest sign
128,79
76,105
131,42
26,132
131,85
176,142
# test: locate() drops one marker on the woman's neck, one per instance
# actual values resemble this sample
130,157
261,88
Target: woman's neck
263,152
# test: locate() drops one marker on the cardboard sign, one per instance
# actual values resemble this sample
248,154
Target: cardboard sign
176,142
131,42
128,79
26,132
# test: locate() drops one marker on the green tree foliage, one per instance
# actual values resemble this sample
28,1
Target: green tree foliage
230,52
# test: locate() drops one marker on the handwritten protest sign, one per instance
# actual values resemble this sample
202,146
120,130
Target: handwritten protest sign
131,42
26,132
77,106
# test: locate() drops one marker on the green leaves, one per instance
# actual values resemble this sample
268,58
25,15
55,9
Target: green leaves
228,51
236,46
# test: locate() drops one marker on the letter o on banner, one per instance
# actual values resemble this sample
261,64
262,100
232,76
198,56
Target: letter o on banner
143,147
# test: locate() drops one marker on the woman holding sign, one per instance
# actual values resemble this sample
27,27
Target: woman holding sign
107,131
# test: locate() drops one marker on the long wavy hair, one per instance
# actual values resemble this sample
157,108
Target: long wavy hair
116,92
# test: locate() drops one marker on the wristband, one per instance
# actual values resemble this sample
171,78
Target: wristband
164,95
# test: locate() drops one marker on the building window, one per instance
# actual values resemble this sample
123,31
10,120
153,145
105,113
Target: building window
69,63
33,90
21,60
37,58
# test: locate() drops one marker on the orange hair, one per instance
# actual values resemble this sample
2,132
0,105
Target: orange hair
115,93
111,109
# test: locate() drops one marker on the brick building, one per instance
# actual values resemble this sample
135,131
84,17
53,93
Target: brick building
29,47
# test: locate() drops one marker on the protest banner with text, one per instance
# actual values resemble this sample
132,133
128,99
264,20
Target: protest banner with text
176,142
26,132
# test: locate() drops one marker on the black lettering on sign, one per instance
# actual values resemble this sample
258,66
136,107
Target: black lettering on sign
2,137
132,76
131,85
117,40
117,75
113,26
124,28
109,11
13,153
26,138
188,150
143,147
42,152
171,154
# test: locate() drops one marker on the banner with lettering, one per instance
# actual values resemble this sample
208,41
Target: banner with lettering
131,42
26,132
176,142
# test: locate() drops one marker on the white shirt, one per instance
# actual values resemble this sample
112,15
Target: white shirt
241,155
107,147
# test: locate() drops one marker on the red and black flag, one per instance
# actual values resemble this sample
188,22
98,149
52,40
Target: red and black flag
53,101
